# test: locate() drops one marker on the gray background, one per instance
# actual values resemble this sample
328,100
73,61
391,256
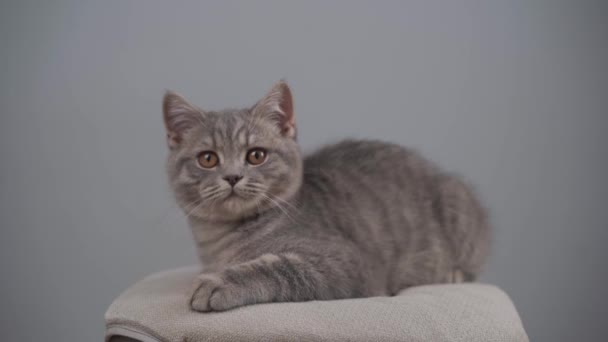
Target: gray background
512,94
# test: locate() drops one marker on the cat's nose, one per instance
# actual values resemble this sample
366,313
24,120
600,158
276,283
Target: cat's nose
232,179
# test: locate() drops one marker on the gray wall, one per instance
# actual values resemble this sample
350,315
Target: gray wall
512,94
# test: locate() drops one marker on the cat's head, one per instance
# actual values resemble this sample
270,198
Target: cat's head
227,165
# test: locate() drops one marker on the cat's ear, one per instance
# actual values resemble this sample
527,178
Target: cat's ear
179,116
277,106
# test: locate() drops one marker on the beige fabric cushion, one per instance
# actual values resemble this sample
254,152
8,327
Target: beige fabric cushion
156,309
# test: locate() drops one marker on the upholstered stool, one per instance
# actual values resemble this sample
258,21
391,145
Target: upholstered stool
156,309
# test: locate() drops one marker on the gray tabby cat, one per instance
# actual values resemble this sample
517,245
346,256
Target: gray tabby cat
354,219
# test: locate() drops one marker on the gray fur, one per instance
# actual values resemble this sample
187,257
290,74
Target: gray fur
354,219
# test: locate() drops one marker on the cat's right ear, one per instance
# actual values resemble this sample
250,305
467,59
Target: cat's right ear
179,117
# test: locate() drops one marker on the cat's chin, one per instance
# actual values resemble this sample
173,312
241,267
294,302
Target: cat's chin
233,202
235,206
225,214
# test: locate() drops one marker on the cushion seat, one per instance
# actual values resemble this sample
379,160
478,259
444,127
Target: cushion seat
156,309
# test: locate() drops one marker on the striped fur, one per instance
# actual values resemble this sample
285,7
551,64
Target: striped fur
354,219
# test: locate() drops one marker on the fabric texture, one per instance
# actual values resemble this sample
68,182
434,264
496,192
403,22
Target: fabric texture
156,309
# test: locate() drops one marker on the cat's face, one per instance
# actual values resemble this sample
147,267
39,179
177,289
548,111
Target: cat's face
227,165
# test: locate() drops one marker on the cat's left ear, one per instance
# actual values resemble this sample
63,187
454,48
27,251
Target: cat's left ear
180,117
277,106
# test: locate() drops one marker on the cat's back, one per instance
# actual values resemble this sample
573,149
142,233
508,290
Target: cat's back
371,159
368,176
396,204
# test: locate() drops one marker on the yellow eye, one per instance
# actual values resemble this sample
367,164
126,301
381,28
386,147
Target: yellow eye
256,156
207,159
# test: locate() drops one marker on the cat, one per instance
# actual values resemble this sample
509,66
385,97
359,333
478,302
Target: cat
354,219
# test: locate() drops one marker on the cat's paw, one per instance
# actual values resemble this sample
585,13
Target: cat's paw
212,293
226,298
204,287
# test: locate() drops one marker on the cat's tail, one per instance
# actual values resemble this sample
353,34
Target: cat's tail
465,225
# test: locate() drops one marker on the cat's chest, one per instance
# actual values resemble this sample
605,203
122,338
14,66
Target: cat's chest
219,246
214,246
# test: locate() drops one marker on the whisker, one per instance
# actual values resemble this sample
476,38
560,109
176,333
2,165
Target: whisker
210,191
194,209
278,205
295,208
192,204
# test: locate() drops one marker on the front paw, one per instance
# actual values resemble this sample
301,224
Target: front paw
205,286
212,293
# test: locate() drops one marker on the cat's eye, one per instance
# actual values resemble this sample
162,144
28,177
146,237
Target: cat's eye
207,159
256,156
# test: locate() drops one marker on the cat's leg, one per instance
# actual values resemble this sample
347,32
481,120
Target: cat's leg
235,286
459,276
464,226
455,276
273,278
